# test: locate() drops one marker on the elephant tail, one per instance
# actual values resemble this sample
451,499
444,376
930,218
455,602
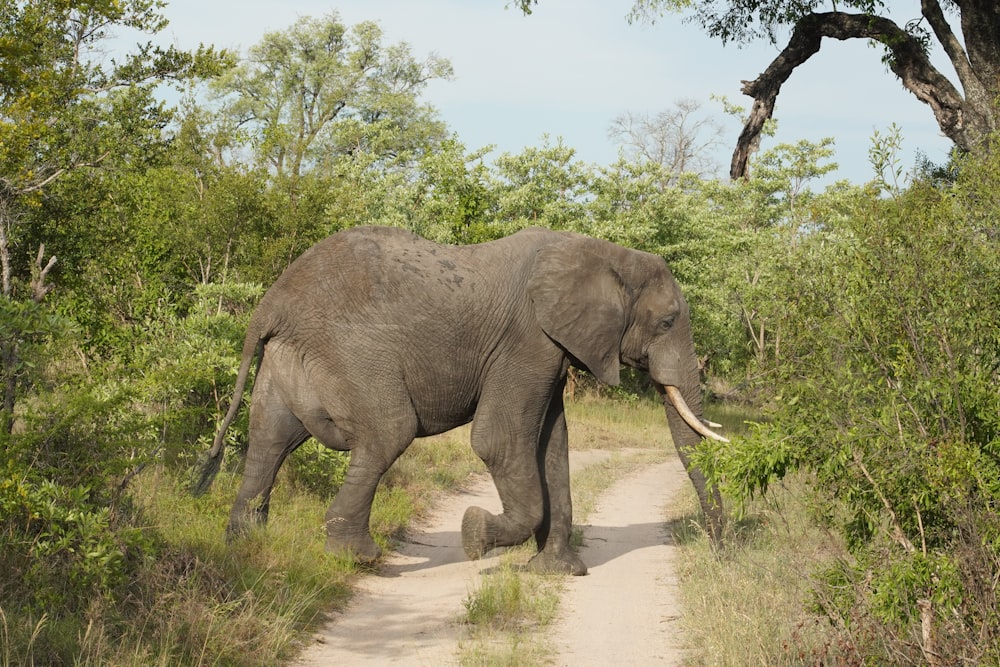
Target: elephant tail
211,461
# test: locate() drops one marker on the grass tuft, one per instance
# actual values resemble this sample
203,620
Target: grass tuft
506,613
506,601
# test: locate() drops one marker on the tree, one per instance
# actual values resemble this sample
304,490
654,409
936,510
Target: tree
542,186
966,113
62,110
320,89
886,380
675,139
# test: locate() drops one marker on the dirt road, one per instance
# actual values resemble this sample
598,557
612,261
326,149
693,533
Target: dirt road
624,612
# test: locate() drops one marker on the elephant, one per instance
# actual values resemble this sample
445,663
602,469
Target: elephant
375,336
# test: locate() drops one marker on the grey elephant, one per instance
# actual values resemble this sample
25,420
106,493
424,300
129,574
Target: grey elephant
375,336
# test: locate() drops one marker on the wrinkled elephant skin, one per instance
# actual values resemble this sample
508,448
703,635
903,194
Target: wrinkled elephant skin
375,336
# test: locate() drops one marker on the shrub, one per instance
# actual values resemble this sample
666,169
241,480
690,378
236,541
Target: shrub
317,469
887,392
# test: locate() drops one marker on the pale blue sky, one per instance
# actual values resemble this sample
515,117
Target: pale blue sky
574,65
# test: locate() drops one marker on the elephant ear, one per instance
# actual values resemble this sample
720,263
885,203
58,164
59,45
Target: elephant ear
579,302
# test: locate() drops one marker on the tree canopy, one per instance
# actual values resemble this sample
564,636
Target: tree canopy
966,110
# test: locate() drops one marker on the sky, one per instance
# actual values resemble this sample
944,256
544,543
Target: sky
571,67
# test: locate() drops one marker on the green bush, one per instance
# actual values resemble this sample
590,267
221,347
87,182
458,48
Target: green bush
185,367
887,392
70,539
317,469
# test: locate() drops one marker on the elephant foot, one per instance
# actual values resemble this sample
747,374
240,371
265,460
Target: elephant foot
478,532
551,562
360,546
238,529
233,535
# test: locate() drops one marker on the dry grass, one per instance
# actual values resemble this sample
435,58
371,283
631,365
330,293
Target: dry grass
596,423
749,605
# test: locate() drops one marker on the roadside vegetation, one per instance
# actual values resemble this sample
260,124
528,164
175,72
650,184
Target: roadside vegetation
857,322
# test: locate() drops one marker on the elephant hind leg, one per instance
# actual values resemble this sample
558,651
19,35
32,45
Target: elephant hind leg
274,433
347,519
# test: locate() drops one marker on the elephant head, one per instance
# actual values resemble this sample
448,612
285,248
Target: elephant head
607,305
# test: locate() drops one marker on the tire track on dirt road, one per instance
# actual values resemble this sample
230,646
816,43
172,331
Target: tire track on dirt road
627,610
408,613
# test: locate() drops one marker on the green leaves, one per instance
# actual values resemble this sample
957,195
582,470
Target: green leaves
320,89
888,374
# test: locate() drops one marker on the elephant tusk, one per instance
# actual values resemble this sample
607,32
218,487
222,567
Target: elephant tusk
689,417
710,424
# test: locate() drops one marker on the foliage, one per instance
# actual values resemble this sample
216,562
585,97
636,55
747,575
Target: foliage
317,469
69,537
184,367
964,108
543,186
454,197
888,373
65,112
860,313
320,89
746,21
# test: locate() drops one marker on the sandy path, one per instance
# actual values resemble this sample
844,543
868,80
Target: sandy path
625,611
408,613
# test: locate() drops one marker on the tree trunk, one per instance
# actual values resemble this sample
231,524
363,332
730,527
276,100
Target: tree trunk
967,118
10,332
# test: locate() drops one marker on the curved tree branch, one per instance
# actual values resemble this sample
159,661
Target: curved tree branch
931,11
908,61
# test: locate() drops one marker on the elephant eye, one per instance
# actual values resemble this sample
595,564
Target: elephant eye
667,322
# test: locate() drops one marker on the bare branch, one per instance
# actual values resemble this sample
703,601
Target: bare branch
38,275
59,172
908,61
896,528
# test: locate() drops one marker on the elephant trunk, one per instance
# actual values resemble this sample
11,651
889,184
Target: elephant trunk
686,429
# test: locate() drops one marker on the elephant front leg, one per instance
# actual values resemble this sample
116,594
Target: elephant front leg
530,468
553,535
510,457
